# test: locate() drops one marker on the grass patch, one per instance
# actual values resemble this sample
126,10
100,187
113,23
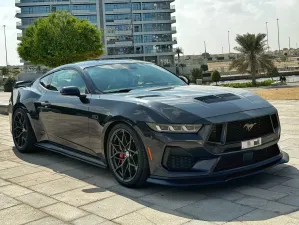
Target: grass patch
249,84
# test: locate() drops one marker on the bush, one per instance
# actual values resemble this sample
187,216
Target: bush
249,84
9,83
273,72
5,71
216,77
204,68
196,74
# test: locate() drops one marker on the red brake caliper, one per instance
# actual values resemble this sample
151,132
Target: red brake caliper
121,156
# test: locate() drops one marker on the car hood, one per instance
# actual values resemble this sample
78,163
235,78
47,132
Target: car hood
178,103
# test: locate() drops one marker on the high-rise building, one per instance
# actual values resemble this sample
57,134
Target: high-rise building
133,29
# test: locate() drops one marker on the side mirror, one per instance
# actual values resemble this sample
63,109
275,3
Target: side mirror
71,91
185,79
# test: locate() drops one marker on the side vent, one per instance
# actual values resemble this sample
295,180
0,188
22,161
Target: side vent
218,98
216,133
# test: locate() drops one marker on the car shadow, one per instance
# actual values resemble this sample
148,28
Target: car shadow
256,198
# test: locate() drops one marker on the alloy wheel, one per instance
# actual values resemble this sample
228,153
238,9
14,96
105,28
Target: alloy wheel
20,130
123,155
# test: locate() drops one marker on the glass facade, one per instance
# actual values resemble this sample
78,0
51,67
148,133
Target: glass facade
142,30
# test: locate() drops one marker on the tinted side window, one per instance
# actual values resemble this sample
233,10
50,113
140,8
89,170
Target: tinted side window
66,78
46,81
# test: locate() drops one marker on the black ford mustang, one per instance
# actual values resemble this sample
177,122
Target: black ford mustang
146,124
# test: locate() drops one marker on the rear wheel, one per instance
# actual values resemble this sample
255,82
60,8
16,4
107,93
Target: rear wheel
22,132
127,157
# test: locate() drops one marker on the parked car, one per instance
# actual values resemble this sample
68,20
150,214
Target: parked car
145,124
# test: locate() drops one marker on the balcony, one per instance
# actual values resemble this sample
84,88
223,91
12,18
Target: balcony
19,3
19,36
83,12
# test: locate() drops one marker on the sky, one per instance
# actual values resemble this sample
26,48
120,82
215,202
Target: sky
199,21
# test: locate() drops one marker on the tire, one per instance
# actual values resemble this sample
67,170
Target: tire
123,162
23,131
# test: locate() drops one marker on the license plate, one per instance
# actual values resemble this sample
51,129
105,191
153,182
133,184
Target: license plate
251,143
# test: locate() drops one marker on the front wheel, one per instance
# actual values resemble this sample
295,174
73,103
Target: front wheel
22,132
127,157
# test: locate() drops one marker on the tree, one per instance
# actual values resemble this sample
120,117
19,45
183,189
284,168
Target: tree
179,51
204,67
252,57
216,77
9,84
59,39
272,72
196,74
5,71
182,65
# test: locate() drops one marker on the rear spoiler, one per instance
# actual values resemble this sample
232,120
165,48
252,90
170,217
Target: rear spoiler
19,84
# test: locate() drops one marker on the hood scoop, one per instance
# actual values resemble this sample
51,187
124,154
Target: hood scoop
218,98
148,96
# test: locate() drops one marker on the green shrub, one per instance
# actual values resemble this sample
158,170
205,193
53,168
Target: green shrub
5,71
9,84
204,68
273,72
196,74
216,77
249,84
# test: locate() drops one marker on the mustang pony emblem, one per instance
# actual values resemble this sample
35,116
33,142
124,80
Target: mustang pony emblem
249,126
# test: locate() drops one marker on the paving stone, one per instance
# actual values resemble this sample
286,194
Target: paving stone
286,189
41,180
136,193
260,193
36,200
113,207
18,171
173,199
109,223
30,177
14,190
224,193
83,172
6,202
105,180
151,216
64,212
292,183
201,222
20,214
267,205
83,195
8,164
290,200
47,221
215,210
60,167
89,220
58,186
290,171
3,183
264,217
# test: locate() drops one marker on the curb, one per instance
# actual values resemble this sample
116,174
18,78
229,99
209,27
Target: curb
4,109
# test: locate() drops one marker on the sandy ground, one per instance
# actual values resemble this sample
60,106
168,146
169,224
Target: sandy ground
279,93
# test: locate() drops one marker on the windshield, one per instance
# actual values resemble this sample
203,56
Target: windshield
129,76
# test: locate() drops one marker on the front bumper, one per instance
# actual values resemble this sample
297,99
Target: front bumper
192,159
225,176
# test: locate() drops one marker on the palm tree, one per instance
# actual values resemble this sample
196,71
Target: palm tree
253,57
179,51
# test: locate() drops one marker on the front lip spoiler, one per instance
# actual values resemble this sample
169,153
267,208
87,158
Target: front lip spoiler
224,176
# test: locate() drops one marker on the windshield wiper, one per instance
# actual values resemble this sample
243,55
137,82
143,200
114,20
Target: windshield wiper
119,91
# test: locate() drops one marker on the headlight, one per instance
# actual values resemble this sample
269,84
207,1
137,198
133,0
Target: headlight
175,128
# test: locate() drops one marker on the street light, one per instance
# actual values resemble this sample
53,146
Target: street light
289,43
278,35
205,49
228,44
267,36
4,26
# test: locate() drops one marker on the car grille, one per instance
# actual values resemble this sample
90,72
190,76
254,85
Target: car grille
242,130
237,160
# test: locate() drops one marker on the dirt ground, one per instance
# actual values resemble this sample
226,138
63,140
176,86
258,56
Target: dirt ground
279,93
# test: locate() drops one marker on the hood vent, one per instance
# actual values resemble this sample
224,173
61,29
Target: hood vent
218,98
148,96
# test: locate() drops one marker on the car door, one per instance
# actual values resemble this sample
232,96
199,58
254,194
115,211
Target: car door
65,118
